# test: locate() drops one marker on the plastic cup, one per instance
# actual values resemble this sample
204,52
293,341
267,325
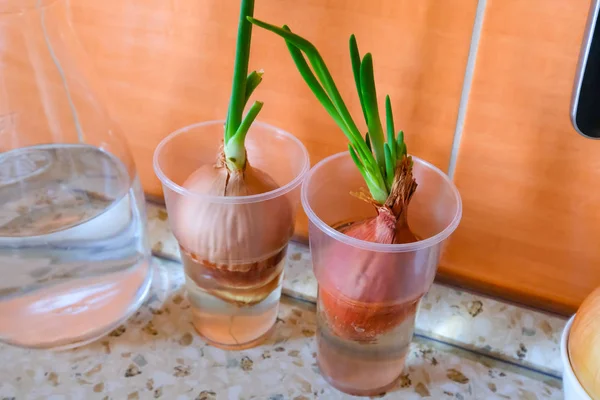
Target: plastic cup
234,276
369,292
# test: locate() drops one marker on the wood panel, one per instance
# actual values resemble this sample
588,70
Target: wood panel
167,64
530,184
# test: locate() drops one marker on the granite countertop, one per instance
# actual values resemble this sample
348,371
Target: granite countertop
466,346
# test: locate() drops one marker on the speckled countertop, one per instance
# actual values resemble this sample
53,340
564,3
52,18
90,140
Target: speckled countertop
466,347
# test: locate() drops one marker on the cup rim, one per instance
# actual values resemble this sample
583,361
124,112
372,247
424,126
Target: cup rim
381,247
254,198
568,372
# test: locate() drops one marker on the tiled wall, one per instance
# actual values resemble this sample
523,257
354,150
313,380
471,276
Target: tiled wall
498,121
530,183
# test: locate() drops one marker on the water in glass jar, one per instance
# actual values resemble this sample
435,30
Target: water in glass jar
74,257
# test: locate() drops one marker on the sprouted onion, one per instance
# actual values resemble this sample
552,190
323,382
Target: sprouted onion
232,241
361,312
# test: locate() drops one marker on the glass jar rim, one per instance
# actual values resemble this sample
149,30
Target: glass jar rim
255,198
381,247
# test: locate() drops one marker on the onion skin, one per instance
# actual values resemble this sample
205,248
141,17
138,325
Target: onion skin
359,294
231,243
244,288
584,344
361,321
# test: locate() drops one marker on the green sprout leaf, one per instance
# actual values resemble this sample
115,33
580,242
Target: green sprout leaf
401,146
244,84
391,140
252,81
367,86
390,166
375,158
355,59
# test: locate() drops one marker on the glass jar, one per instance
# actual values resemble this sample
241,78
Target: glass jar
75,258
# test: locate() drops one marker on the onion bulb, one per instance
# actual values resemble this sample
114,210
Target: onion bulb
360,298
584,344
239,245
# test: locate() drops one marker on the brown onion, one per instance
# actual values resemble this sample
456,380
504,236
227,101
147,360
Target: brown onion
366,309
238,244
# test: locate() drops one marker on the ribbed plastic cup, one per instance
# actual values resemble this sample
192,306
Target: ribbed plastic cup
369,292
233,278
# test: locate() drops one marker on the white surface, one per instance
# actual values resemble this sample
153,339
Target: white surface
571,387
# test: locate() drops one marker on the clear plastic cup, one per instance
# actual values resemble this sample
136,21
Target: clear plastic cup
233,247
369,292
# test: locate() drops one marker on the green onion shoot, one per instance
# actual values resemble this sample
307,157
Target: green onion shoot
381,157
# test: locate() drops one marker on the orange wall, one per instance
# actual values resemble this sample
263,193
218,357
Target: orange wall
530,183
167,64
